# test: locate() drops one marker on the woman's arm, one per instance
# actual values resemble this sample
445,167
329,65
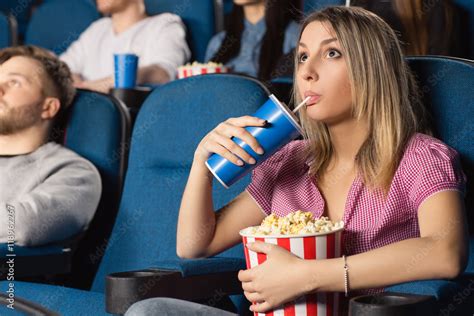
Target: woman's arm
201,232
439,252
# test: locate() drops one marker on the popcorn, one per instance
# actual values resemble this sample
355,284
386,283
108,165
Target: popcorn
209,64
307,238
295,223
197,68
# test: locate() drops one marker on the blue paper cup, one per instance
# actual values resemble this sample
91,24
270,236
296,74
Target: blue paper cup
282,128
125,66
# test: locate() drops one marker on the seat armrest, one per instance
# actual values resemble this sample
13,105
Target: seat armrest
35,261
454,297
187,279
24,306
440,289
192,267
393,303
125,288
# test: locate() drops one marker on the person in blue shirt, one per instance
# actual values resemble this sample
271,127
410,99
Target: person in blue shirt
257,36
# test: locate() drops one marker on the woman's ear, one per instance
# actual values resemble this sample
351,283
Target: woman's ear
51,107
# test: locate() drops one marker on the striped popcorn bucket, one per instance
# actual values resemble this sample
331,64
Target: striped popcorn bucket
305,246
189,71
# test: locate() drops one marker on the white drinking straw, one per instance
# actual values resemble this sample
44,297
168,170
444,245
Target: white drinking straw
301,104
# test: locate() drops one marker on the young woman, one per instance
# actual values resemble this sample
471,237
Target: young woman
364,160
257,36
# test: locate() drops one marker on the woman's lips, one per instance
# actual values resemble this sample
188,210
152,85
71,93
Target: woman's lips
314,98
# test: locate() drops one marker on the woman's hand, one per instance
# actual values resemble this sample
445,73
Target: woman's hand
281,278
219,141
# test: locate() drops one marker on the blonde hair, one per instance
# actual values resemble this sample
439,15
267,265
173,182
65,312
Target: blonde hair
383,93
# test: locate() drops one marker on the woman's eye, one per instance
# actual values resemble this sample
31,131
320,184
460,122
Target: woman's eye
332,53
302,58
14,83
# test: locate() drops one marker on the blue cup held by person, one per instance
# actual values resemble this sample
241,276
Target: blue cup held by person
282,127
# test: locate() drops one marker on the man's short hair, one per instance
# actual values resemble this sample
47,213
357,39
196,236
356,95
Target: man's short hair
55,74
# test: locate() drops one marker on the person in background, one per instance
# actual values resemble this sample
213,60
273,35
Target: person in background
47,192
159,41
258,35
425,27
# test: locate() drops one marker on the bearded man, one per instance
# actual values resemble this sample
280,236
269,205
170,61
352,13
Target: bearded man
47,192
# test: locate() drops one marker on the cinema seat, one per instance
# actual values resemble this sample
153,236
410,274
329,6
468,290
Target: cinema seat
55,24
446,85
8,30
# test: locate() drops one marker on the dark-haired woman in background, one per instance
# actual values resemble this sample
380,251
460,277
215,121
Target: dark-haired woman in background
425,27
257,36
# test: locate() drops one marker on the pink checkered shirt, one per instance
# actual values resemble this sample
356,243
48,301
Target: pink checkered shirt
282,185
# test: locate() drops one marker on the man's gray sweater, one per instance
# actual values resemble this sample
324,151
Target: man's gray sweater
45,196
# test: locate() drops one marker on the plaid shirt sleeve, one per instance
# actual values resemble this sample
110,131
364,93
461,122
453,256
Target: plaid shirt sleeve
432,167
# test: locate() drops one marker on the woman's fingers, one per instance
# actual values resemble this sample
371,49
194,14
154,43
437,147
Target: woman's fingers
246,120
224,152
247,287
235,149
254,297
220,141
261,307
230,130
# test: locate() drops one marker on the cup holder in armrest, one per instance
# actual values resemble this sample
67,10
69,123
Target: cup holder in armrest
125,288
133,98
137,275
390,303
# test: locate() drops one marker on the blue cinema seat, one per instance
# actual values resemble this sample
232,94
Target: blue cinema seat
198,16
168,128
96,127
447,85
20,10
55,24
8,30
466,8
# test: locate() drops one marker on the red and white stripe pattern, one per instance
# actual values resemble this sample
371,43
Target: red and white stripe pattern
189,71
315,247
